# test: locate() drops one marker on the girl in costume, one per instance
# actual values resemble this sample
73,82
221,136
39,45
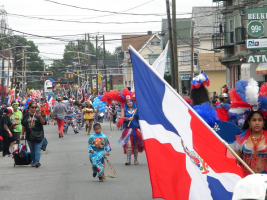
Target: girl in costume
251,144
88,112
131,138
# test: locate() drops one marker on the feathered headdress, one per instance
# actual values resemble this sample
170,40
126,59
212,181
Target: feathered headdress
110,96
124,96
201,79
244,97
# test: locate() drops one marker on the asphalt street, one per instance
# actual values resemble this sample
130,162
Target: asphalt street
66,172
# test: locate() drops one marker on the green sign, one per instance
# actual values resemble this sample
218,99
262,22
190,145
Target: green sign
255,28
256,14
257,58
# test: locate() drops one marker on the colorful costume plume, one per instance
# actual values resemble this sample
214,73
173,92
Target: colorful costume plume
199,80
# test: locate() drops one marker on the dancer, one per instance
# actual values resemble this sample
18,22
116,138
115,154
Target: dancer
70,118
251,145
88,112
97,145
131,138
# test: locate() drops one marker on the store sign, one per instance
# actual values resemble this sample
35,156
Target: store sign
257,58
257,43
255,29
256,14
261,69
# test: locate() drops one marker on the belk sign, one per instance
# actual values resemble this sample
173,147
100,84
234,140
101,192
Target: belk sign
256,13
257,58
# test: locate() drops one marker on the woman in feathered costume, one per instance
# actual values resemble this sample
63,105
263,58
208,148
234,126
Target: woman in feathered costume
200,97
131,138
251,145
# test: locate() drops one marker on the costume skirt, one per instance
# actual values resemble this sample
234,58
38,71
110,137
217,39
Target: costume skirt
132,136
98,163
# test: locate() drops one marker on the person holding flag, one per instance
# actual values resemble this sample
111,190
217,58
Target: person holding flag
131,139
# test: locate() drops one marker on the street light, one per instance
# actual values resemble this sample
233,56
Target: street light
17,47
23,59
79,53
27,53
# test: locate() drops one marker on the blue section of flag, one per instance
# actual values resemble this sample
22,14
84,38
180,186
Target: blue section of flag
49,97
149,91
217,190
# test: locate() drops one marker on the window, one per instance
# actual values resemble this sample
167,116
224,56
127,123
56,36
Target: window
195,58
231,25
152,43
185,57
158,43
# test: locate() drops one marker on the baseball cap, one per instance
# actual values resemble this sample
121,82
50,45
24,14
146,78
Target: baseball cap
251,187
59,99
224,95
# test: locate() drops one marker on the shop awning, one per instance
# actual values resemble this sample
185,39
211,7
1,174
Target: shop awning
261,69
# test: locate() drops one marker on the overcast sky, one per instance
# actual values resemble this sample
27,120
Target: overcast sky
54,48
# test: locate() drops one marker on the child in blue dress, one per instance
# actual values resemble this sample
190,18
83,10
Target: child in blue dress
97,145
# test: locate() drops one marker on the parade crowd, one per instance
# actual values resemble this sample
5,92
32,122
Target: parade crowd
22,134
238,116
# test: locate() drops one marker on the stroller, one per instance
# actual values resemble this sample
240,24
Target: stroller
100,117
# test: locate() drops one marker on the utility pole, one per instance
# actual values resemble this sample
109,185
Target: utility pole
22,77
175,57
2,79
79,64
192,50
171,44
89,63
25,79
96,57
105,66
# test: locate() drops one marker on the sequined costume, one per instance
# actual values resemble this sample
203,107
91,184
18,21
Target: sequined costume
248,154
99,144
69,120
78,118
131,134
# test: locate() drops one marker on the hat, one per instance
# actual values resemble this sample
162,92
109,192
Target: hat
59,99
9,111
251,187
224,95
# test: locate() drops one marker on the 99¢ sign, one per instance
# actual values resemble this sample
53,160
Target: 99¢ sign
255,29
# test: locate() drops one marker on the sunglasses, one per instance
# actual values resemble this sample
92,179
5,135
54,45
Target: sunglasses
34,107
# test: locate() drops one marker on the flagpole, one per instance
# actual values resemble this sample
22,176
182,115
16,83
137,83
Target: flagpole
192,110
237,157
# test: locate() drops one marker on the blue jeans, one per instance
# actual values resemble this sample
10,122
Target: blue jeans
35,151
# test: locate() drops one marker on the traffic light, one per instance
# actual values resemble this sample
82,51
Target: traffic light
77,72
59,79
48,74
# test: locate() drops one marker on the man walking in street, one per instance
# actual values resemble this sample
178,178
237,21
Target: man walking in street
59,110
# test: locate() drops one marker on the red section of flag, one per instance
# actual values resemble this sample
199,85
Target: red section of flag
211,150
168,175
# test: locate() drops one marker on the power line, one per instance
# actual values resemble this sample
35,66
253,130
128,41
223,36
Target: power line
102,10
74,21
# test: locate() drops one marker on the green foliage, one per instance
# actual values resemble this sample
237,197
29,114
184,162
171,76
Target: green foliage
33,64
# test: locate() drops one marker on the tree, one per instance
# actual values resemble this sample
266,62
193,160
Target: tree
118,50
35,63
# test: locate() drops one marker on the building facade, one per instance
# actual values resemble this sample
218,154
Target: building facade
148,46
231,35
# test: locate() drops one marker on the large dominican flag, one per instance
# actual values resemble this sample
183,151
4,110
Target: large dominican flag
186,158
